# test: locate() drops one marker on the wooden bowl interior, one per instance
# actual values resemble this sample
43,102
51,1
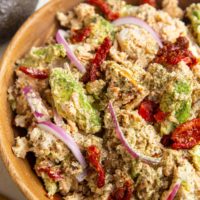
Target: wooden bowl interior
34,32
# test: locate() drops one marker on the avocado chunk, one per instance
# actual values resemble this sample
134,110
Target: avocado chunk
12,14
177,99
193,13
183,111
101,28
71,101
40,56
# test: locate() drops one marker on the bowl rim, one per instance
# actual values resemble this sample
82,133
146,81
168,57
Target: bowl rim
3,62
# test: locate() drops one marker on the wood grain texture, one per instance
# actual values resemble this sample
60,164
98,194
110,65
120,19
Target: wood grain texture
3,197
35,31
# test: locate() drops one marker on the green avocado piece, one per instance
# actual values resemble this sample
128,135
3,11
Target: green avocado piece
184,107
101,28
71,101
166,102
40,56
12,14
196,13
193,13
182,87
183,112
173,101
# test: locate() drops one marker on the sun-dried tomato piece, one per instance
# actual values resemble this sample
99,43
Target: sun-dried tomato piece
166,141
34,73
147,110
105,9
53,174
186,135
94,67
81,35
182,42
93,156
172,53
123,193
150,111
160,116
150,2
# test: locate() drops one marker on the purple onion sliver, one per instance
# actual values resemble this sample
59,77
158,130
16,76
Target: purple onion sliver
141,23
64,137
123,140
61,40
38,115
26,89
81,176
34,100
174,191
119,132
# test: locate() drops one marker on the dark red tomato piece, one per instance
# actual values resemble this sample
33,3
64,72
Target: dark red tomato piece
123,193
166,141
105,9
93,156
34,72
172,53
81,35
186,135
150,2
150,111
93,70
147,110
101,177
160,116
100,56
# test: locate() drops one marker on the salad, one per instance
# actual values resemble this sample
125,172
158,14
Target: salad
111,103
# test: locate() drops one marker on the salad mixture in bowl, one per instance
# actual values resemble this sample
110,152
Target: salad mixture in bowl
111,104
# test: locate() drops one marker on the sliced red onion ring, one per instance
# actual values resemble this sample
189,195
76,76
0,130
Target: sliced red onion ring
61,40
66,138
173,191
81,176
38,108
124,142
59,122
141,23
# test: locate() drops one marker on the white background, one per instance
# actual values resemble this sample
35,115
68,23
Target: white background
7,186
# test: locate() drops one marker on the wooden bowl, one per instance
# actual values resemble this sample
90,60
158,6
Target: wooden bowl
35,31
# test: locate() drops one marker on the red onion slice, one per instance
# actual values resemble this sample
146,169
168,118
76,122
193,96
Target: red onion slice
34,100
61,40
124,142
66,138
141,23
82,176
173,191
59,122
